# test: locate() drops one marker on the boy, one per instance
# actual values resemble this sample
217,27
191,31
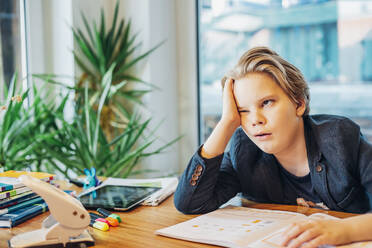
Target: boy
281,154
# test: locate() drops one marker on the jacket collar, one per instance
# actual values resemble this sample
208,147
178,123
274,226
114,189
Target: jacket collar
271,166
313,152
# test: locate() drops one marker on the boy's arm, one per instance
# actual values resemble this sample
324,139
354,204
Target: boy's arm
359,227
206,184
365,165
314,233
225,128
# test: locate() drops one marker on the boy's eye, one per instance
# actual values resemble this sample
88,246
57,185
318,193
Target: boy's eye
267,102
243,111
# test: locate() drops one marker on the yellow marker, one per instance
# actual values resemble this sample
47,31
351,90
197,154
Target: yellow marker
99,225
256,221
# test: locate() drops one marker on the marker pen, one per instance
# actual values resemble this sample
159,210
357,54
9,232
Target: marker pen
111,221
107,213
99,225
103,220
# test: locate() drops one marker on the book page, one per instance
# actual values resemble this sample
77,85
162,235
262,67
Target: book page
232,226
273,239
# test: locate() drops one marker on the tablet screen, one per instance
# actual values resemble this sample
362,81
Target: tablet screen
117,197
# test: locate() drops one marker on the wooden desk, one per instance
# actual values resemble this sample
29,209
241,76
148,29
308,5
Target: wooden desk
138,226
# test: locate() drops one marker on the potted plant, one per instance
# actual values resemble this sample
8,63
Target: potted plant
83,143
107,132
24,129
97,50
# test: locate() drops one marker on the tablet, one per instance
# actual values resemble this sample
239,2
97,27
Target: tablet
117,197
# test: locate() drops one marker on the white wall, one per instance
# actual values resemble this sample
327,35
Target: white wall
50,42
50,37
172,67
187,79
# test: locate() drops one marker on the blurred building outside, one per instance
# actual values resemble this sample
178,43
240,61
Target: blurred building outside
10,43
329,41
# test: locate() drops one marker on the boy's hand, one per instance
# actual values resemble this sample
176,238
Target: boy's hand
313,233
230,114
225,128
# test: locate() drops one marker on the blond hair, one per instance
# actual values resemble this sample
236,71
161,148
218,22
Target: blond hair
286,75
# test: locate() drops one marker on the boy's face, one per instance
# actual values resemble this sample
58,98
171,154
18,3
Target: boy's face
268,116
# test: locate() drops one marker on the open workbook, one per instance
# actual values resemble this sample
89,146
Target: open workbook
241,227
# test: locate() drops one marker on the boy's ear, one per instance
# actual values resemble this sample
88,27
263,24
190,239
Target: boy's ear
301,107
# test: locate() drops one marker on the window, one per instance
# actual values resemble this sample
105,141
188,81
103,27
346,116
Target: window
329,41
10,42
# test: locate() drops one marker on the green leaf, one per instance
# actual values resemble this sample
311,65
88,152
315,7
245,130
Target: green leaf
12,87
121,136
102,29
118,35
83,67
99,48
135,79
129,96
142,127
88,46
109,45
93,59
49,79
115,168
134,61
87,28
106,82
125,50
115,88
86,112
160,149
125,37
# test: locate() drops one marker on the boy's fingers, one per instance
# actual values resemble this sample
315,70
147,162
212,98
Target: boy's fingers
302,238
229,87
291,232
231,81
317,242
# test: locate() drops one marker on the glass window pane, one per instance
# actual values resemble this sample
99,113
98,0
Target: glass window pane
329,41
10,41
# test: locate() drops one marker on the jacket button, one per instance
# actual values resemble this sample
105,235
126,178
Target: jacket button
319,168
195,177
193,182
199,168
198,173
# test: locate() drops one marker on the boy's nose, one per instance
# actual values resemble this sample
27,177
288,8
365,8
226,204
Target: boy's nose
257,119
257,123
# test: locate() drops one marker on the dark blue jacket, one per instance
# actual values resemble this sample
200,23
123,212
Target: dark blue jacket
340,162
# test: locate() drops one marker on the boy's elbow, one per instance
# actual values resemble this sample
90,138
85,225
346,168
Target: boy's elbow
184,206
181,208
180,204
